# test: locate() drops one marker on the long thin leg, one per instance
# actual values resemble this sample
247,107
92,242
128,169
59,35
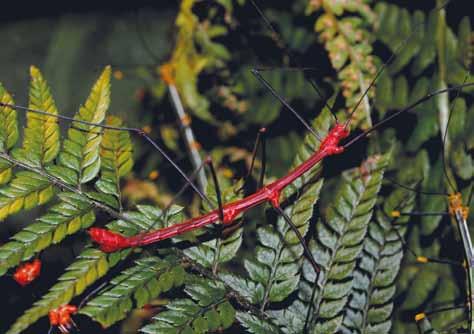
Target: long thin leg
414,189
260,139
424,325
267,85
218,189
263,158
307,251
422,258
101,288
137,131
309,256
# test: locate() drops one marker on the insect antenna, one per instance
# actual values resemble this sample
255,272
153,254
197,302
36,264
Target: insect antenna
281,43
137,131
410,107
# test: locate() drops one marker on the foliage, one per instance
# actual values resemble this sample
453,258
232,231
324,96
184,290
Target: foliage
254,276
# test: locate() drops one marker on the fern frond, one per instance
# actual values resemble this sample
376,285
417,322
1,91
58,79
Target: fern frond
256,325
280,251
8,122
82,145
24,192
206,310
41,141
134,287
8,133
339,241
347,39
116,158
371,300
90,265
72,214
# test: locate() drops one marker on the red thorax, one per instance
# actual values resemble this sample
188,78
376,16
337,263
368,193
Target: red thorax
330,143
27,272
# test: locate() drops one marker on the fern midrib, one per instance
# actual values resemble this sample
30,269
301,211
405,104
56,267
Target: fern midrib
39,103
271,277
371,285
319,299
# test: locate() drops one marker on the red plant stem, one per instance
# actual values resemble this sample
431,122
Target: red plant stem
110,241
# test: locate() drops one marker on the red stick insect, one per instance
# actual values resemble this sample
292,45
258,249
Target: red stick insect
226,214
330,145
27,272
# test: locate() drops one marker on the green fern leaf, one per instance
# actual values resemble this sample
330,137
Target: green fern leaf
69,216
92,264
89,266
339,240
280,251
41,142
139,284
256,325
248,289
25,191
371,300
207,310
116,155
8,133
292,318
82,145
